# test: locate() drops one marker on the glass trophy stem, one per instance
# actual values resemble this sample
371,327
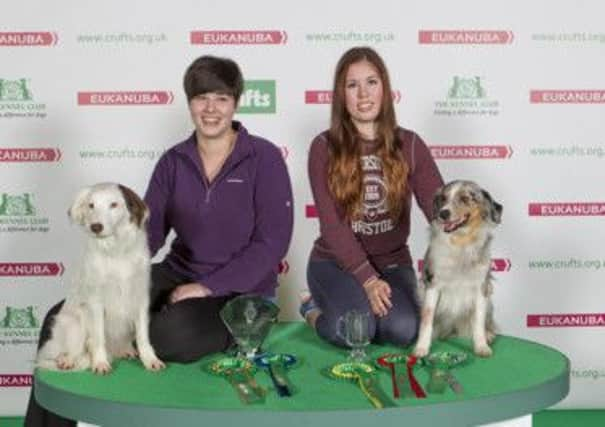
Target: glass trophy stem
357,354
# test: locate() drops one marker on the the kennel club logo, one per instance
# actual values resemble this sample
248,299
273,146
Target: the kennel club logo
40,38
30,154
221,37
325,96
459,152
31,269
18,213
18,326
498,265
567,96
467,96
125,98
17,100
259,97
565,320
15,90
16,380
465,37
567,209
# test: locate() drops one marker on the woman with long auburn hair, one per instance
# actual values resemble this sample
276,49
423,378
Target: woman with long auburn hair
363,172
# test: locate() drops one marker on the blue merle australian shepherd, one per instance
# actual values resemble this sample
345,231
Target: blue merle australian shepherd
457,283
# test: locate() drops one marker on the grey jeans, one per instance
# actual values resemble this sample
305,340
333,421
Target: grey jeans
336,292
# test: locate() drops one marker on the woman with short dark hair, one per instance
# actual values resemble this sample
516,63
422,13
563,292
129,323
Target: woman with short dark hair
226,194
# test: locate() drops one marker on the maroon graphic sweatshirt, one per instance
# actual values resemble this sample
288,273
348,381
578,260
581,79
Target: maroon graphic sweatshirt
374,242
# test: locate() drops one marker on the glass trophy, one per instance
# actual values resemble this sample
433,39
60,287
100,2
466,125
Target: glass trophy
354,329
249,319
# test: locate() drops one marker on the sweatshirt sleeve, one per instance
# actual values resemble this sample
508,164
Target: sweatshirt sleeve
157,198
425,178
335,231
270,239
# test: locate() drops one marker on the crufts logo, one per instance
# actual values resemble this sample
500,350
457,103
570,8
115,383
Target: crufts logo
567,96
238,37
30,38
566,209
125,98
565,320
259,97
465,37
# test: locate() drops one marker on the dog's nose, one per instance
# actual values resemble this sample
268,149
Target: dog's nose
96,227
444,214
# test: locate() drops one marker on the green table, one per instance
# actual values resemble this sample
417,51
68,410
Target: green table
521,378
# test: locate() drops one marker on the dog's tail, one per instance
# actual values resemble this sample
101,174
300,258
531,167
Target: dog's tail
66,349
51,357
81,363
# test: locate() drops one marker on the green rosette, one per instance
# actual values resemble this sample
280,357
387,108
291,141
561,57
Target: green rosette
440,365
240,374
276,365
363,374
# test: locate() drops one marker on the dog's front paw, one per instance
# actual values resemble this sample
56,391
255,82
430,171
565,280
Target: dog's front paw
101,368
421,351
64,362
153,364
483,350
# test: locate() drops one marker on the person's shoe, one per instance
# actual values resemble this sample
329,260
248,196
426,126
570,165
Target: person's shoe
307,304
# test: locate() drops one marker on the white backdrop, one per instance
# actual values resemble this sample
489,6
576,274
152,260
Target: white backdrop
506,94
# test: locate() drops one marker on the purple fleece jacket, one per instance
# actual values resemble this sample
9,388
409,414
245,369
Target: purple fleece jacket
231,234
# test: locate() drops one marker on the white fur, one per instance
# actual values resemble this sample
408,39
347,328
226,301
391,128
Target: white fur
106,308
458,287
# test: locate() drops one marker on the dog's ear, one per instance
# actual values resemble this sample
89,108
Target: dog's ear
494,208
78,207
139,212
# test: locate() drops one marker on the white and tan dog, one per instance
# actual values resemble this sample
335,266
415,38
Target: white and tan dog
106,308
457,264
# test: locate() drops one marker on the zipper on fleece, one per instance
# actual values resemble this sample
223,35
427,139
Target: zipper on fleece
224,171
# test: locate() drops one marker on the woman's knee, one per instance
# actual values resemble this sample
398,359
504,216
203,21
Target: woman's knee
398,329
187,331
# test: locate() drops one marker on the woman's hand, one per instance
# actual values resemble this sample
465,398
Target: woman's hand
379,294
189,290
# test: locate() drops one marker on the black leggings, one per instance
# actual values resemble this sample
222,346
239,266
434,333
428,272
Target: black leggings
182,332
